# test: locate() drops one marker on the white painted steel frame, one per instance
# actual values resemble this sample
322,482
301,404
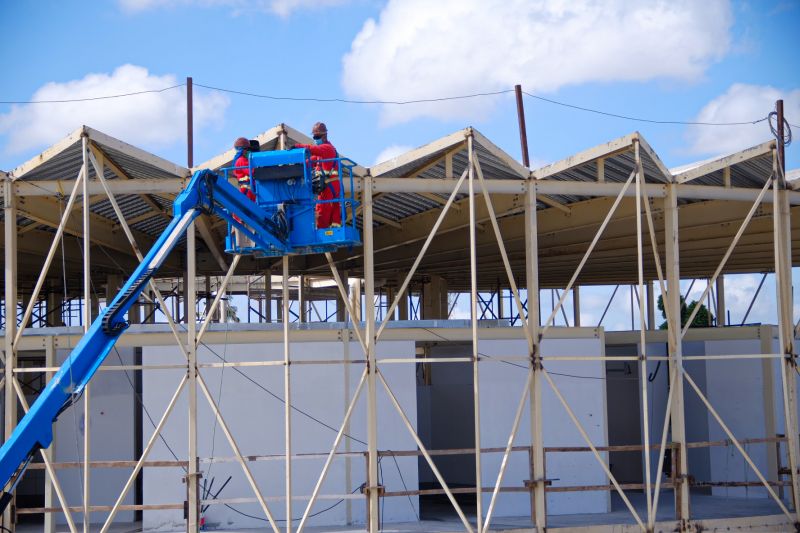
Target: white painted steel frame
473,276
87,321
532,389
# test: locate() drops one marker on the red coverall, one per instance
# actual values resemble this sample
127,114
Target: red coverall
243,176
331,213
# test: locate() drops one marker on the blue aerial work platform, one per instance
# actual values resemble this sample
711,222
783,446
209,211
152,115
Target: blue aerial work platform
281,221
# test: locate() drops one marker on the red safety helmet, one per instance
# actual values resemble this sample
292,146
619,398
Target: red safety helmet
319,129
241,142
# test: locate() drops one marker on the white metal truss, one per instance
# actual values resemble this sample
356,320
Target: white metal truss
471,182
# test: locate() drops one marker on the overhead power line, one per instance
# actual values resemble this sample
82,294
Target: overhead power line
393,102
348,101
638,119
92,98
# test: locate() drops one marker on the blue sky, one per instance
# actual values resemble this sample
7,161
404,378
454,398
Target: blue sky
712,61
668,61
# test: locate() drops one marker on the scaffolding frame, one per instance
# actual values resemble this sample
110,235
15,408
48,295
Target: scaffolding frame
472,183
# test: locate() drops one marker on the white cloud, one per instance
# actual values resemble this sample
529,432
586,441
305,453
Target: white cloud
282,8
392,151
739,292
153,119
740,103
419,49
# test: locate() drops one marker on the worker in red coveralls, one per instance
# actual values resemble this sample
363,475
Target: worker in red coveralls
242,159
242,174
328,215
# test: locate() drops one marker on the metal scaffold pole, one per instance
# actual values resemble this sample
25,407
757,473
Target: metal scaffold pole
87,321
476,399
193,474
537,481
372,369
642,337
673,305
783,286
287,397
10,257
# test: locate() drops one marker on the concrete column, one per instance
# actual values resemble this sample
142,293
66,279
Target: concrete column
54,300
135,313
207,291
500,310
341,309
301,299
268,295
183,301
402,305
222,311
576,306
114,283
722,318
390,295
355,299
152,318
434,299
95,308
24,300
651,306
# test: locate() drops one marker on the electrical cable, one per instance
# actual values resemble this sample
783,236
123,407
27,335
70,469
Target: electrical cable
204,508
787,134
246,377
403,481
172,452
136,394
92,98
294,519
348,101
219,396
391,102
511,363
260,386
144,408
638,119
652,376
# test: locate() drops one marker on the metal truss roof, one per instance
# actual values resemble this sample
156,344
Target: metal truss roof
145,184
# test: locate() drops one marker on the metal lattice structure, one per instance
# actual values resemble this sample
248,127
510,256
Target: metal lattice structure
458,209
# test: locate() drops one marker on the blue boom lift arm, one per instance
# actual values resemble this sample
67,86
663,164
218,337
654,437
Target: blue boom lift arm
206,192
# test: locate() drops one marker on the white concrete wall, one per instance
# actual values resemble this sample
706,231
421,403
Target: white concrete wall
744,392
112,438
695,413
740,391
500,389
256,419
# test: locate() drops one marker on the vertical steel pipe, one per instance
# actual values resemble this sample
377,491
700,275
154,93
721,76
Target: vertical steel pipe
523,134
189,124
